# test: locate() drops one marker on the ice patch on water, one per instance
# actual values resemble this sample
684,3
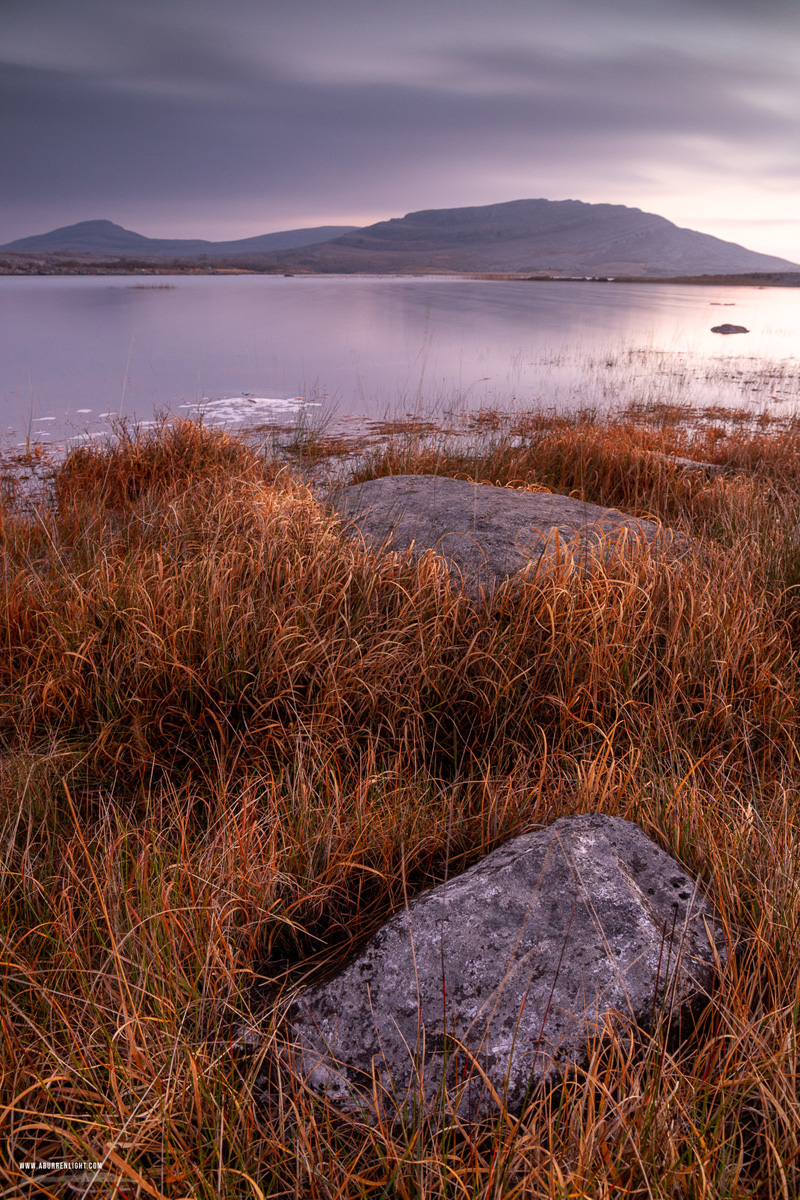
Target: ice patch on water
40,437
83,410
245,407
44,418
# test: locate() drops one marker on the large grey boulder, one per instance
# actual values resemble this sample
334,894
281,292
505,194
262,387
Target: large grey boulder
494,981
728,328
487,533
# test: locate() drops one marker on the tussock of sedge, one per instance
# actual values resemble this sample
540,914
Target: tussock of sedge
232,741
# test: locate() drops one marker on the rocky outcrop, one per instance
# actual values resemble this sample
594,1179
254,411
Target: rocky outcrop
726,328
496,980
487,533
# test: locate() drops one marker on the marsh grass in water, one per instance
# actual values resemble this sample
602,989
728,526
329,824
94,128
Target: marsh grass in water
233,742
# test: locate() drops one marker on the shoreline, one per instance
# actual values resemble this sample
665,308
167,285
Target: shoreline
23,265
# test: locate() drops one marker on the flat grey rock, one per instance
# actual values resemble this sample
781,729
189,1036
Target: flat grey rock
487,533
726,328
697,465
507,970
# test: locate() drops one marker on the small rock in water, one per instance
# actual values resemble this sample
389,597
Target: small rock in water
495,980
726,328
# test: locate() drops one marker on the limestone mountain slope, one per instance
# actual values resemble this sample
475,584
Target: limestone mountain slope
563,237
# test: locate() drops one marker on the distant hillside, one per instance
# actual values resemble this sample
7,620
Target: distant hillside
104,238
559,236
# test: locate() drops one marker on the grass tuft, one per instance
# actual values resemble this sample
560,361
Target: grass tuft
231,741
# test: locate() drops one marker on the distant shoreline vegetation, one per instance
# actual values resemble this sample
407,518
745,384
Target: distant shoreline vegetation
70,264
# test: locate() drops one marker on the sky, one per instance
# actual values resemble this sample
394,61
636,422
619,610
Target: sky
230,118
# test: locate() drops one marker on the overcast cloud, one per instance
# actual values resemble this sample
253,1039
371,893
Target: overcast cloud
228,118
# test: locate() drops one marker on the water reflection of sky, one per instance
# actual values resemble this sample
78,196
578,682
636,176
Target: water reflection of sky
78,350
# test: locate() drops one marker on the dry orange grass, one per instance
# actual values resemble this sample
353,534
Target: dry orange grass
231,740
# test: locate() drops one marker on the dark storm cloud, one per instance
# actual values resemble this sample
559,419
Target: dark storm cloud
313,107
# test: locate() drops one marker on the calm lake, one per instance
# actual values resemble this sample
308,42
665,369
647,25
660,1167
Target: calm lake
76,350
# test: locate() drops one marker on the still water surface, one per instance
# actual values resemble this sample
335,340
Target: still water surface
256,348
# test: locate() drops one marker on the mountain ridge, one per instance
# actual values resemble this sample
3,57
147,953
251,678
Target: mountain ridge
562,237
549,235
103,236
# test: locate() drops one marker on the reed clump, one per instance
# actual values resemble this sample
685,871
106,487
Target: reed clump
232,740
